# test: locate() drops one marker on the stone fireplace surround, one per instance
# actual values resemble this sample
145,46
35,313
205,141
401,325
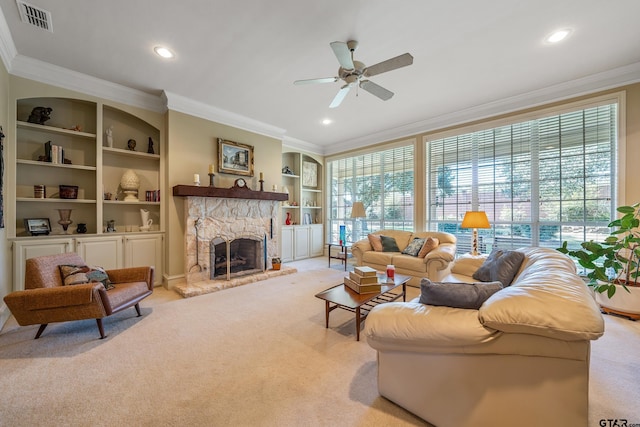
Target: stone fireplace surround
226,215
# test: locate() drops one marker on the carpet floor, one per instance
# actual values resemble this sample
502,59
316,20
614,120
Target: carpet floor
253,355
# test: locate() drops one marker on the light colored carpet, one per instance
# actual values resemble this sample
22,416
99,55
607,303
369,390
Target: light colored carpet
254,355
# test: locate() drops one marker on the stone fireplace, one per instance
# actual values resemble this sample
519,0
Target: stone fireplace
231,234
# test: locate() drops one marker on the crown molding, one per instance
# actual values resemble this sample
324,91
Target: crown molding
298,144
204,111
610,79
7,47
34,69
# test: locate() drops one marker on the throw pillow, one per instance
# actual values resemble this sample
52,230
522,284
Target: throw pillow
457,295
375,242
501,266
79,274
389,244
429,244
414,247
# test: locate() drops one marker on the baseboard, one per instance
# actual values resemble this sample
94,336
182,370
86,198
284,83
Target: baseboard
4,315
169,282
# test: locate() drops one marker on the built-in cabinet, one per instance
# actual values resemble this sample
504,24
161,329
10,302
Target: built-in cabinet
301,241
302,178
109,252
87,145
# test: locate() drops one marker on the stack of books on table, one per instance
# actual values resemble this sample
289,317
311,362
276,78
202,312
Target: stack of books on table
363,280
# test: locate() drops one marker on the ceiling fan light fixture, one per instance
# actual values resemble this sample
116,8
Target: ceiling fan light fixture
163,52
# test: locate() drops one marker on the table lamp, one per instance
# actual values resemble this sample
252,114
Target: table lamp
357,211
475,220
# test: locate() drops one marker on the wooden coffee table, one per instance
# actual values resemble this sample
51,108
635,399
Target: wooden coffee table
343,297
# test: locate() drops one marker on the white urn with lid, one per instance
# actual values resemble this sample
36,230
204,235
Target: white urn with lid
130,183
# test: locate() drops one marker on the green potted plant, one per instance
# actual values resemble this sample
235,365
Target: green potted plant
275,263
615,262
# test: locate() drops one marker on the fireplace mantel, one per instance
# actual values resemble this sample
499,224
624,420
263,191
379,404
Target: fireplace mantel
229,193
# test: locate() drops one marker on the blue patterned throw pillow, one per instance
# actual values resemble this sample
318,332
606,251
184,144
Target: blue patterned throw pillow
414,247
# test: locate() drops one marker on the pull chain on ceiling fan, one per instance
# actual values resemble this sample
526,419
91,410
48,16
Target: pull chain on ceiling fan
355,73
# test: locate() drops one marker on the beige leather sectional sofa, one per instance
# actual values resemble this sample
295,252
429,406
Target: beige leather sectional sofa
522,359
435,265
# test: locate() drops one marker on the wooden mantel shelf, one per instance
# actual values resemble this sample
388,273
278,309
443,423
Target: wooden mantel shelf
229,193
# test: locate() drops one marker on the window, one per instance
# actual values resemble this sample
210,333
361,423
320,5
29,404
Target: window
541,181
383,181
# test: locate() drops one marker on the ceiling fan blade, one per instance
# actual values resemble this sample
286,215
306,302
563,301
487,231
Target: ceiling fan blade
312,81
388,65
340,96
376,90
342,52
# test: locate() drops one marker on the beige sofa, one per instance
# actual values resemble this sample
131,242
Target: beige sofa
521,359
435,265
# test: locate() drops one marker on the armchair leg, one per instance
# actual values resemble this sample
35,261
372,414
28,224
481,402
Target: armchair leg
138,309
100,328
40,330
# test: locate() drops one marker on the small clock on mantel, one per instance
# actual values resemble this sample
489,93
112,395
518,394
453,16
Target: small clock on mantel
240,183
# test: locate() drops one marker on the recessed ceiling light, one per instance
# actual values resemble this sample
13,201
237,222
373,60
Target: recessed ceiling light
558,35
327,121
163,52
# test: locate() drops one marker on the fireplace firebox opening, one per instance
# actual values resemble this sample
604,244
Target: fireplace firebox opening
237,257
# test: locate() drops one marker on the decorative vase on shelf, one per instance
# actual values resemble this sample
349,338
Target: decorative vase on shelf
65,219
146,221
285,190
130,184
288,220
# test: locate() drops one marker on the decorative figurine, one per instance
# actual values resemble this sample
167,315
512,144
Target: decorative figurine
150,148
39,115
131,144
286,170
109,133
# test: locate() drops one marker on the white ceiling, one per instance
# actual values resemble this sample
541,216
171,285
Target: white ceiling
239,59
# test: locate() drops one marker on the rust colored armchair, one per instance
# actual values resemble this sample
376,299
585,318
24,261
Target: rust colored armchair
46,299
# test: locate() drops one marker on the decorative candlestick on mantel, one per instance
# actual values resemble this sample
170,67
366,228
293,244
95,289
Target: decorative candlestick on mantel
211,174
261,180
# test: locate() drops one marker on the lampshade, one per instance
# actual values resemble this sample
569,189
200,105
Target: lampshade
475,219
357,210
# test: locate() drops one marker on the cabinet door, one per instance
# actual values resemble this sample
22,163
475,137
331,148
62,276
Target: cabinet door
105,252
22,251
144,250
286,245
301,246
316,245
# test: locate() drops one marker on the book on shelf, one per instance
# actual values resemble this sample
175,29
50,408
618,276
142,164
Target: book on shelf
365,271
362,289
362,280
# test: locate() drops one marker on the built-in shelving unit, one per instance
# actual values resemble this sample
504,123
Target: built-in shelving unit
304,237
95,165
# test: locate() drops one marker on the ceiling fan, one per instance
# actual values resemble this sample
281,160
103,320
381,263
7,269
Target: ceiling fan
356,73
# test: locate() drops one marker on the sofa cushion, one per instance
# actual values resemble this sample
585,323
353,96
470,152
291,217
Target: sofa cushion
430,243
410,263
548,299
80,274
501,266
389,244
414,247
457,295
378,258
375,242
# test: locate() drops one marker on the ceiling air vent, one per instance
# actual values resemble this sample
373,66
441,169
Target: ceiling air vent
35,16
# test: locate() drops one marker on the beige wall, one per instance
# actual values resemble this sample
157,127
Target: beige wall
192,147
6,282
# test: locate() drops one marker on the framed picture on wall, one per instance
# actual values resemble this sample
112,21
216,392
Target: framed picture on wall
235,158
309,174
